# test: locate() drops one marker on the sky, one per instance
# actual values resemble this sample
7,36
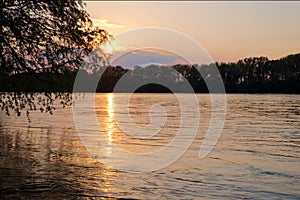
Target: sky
227,31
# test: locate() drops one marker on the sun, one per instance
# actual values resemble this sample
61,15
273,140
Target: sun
107,48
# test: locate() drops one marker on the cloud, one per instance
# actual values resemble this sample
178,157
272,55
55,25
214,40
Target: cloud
156,51
104,23
180,61
144,57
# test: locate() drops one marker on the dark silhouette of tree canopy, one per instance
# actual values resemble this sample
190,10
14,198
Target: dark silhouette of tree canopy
250,75
42,36
45,36
259,74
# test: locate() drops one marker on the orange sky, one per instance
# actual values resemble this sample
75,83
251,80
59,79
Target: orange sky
228,31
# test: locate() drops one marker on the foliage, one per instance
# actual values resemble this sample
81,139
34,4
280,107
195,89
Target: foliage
42,36
258,74
45,36
19,102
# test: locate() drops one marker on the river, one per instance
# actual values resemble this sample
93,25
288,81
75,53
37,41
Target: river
257,155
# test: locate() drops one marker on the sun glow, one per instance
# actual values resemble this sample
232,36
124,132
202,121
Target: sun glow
107,48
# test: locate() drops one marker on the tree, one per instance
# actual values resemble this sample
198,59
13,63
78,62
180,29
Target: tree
43,36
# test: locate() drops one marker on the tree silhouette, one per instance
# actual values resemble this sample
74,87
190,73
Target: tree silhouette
42,36
251,75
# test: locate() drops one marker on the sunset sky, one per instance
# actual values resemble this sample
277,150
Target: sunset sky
228,31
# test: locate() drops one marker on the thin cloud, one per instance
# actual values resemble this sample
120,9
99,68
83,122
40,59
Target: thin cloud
180,61
104,23
157,51
144,57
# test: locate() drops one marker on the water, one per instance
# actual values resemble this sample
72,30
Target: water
256,157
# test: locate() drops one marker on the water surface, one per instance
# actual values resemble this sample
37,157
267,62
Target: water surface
257,155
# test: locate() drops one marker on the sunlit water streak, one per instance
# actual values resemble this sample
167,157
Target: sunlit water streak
257,156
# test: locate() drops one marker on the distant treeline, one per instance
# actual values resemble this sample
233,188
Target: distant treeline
250,75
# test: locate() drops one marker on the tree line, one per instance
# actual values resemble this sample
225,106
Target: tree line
250,75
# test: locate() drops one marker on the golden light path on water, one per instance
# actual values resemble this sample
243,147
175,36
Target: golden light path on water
110,111
109,127
109,122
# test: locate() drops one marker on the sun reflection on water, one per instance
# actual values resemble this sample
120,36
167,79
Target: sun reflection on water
109,122
110,106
